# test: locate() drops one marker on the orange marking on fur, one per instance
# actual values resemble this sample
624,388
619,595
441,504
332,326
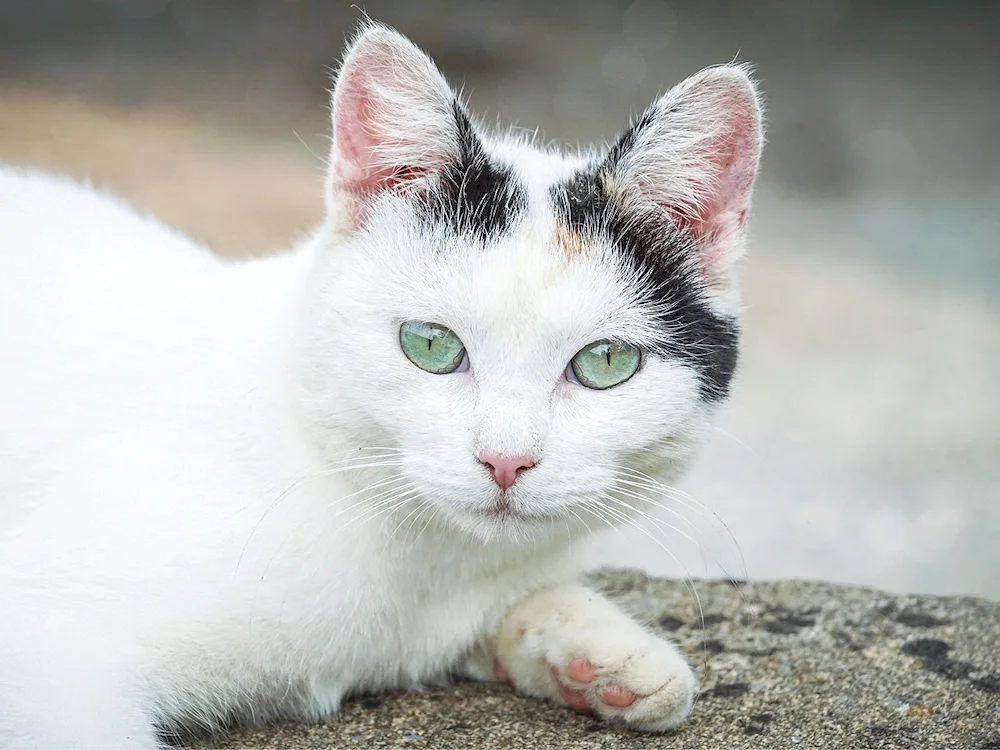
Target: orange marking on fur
570,242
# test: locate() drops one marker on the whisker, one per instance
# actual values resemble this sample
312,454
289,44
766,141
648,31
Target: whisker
281,496
725,433
665,524
658,521
675,493
416,511
688,581
381,508
598,509
650,484
381,499
356,462
388,482
425,507
394,496
430,518
655,503
631,522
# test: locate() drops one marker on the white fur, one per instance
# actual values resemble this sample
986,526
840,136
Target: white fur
225,492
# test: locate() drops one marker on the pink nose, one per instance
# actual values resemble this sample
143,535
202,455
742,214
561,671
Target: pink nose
506,470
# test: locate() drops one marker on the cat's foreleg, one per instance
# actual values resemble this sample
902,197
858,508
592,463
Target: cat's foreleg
68,691
574,646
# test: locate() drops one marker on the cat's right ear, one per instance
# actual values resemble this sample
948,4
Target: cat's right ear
394,124
694,156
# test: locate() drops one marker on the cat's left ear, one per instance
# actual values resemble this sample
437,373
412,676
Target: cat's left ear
694,154
394,124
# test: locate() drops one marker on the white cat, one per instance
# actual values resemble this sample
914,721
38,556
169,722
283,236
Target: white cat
243,491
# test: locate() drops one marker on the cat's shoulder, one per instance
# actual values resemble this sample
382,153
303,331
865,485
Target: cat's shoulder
44,212
29,192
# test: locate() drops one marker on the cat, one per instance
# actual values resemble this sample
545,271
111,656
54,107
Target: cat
242,491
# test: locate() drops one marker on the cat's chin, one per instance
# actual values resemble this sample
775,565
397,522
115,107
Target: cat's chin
515,529
506,526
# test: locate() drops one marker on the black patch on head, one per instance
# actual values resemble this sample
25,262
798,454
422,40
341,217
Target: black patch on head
627,140
474,195
663,258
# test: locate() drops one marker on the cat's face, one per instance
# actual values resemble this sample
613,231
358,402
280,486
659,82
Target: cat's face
524,331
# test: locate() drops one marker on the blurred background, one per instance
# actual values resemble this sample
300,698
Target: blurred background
862,443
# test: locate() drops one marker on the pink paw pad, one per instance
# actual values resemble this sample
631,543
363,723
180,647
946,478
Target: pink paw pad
499,672
574,698
581,670
618,697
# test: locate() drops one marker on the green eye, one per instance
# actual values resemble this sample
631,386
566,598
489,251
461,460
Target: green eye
603,364
431,347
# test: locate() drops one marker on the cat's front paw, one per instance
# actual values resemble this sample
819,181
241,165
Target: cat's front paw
649,692
573,645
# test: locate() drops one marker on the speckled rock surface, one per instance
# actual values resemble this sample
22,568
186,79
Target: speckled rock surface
787,663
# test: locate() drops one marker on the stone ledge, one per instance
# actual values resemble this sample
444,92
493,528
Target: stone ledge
786,663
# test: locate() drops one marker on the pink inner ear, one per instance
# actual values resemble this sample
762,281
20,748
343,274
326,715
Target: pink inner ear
365,184
723,200
716,213
358,168
393,123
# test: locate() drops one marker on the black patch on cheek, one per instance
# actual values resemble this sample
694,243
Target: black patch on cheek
663,258
475,196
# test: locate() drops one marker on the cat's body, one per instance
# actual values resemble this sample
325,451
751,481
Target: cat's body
224,492
103,478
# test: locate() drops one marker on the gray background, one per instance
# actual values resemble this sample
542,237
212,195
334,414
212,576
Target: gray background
862,441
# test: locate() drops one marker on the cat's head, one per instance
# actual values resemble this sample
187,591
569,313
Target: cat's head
521,334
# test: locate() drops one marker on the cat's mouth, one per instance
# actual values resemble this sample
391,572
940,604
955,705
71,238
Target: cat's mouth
503,510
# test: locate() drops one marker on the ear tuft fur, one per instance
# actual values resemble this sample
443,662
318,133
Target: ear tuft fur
393,123
694,153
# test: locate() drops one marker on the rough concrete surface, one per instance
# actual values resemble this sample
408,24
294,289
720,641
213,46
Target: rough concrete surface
784,664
